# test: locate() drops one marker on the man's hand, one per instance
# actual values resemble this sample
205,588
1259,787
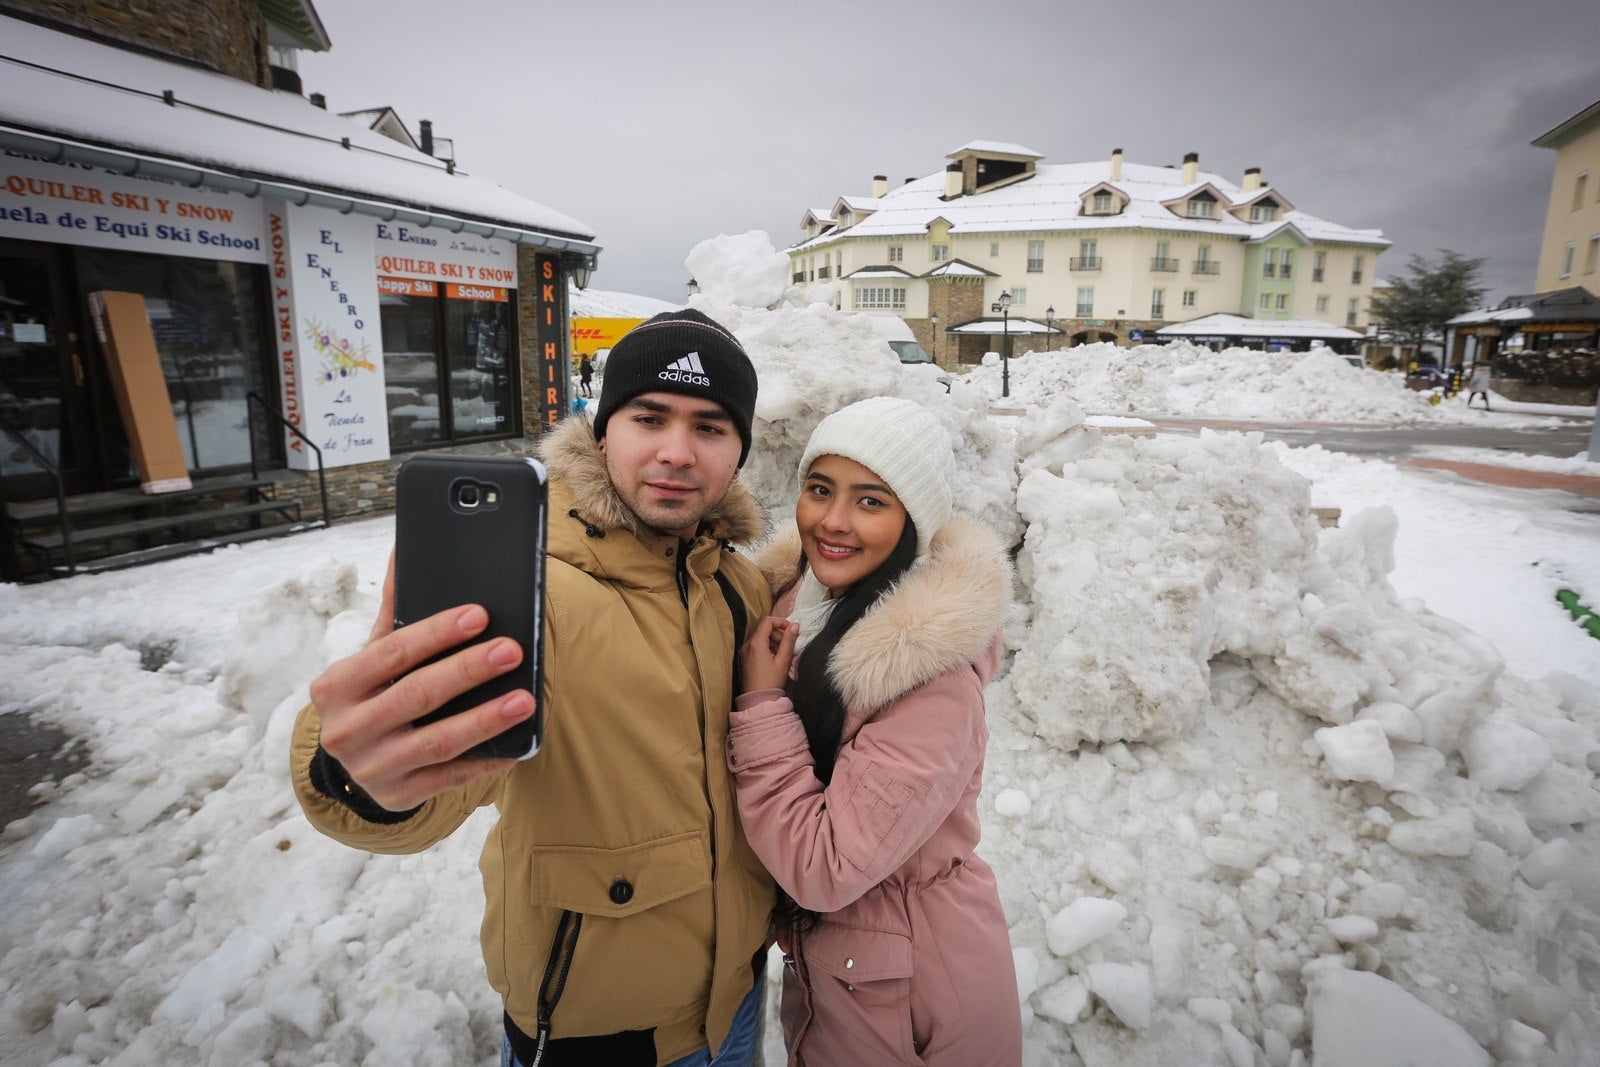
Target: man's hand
764,660
368,701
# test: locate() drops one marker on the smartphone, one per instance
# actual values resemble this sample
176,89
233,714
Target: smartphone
471,530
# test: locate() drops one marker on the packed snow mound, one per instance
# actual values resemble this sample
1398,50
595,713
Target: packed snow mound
1183,379
741,269
1246,805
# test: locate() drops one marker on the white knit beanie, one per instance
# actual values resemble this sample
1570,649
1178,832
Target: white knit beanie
901,442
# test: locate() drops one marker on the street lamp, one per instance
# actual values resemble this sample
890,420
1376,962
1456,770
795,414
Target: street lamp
933,323
1049,317
1003,305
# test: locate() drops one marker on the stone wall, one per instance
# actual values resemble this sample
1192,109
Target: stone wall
227,36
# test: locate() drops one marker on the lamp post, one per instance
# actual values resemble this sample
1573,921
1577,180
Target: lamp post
933,324
1049,317
1003,305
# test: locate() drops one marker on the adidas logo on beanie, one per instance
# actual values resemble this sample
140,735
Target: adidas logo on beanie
680,352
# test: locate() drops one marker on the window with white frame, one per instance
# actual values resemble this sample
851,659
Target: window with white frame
1350,311
1088,252
1283,301
1319,263
1103,204
1158,303
1189,296
1591,258
1358,270
1035,256
994,249
1085,301
1202,257
1019,295
1322,303
939,253
1263,212
897,253
1269,265
1567,257
1579,187
880,297
1265,303
1283,264
1200,208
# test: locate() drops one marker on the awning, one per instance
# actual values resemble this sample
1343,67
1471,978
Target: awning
1223,325
996,327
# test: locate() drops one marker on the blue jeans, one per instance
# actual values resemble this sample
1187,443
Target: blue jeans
739,1050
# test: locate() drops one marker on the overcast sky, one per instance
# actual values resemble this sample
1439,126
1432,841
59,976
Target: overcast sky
662,124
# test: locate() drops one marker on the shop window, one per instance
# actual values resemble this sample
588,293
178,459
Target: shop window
207,317
449,362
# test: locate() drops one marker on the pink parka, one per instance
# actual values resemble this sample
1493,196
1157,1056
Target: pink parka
912,960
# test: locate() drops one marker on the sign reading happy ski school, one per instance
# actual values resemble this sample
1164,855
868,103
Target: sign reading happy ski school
75,204
329,344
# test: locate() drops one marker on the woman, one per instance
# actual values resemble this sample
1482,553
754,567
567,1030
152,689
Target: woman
857,748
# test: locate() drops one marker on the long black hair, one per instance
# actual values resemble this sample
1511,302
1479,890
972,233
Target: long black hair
816,696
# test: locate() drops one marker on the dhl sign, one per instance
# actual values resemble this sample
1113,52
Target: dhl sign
591,335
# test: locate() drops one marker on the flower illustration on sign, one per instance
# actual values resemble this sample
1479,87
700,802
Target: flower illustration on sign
339,360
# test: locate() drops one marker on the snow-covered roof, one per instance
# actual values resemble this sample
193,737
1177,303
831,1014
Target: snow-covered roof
1000,148
1052,200
959,268
999,327
63,96
879,272
1224,325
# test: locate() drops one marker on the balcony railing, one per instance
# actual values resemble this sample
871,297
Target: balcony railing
799,276
1085,263
822,274
1164,264
1207,266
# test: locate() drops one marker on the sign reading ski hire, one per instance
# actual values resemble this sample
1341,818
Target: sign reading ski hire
330,349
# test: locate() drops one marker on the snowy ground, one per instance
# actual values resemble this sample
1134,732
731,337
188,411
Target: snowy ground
1256,791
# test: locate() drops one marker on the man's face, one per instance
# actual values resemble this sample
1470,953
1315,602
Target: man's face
671,458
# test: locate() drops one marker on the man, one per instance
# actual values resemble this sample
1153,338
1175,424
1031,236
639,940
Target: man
626,915
1479,385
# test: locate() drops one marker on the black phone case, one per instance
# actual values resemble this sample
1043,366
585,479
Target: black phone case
450,552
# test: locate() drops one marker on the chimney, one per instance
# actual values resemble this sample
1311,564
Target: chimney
880,185
1191,168
908,181
952,181
318,100
1116,165
425,129
1252,180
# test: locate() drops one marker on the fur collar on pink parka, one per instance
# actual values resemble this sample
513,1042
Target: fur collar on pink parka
944,612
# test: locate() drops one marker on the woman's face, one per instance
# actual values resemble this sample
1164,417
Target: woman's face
849,522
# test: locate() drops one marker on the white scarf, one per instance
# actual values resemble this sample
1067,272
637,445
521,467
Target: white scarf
811,610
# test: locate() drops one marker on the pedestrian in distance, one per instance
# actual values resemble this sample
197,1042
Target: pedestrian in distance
626,917
858,747
586,374
1479,385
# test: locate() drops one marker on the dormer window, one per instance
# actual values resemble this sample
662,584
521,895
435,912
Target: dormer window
1103,204
1201,206
1266,211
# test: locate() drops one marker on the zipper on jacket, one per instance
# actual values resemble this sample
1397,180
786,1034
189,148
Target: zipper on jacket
683,571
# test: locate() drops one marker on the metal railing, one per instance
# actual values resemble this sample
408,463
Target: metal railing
1085,263
1207,266
1165,264
61,495
250,420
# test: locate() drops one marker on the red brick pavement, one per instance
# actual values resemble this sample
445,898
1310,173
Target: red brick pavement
1511,476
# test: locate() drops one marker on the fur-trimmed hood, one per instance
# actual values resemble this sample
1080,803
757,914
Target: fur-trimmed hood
573,458
943,613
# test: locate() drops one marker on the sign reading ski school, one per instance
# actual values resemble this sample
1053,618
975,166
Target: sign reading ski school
71,203
329,345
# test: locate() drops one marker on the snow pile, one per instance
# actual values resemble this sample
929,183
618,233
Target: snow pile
1183,379
606,304
1248,803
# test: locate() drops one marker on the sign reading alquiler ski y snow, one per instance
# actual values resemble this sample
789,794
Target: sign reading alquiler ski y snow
434,254
71,203
330,349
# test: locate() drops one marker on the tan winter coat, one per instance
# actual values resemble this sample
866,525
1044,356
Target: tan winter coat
630,784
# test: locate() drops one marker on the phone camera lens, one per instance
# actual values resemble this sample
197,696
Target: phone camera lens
467,496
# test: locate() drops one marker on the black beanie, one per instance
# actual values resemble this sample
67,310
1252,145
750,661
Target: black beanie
680,352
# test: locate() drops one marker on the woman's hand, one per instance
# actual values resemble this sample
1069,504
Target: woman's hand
764,660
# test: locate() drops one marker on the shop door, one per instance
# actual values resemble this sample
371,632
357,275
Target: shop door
44,393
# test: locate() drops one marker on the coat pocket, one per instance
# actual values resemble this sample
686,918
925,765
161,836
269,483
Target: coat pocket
860,983
619,882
